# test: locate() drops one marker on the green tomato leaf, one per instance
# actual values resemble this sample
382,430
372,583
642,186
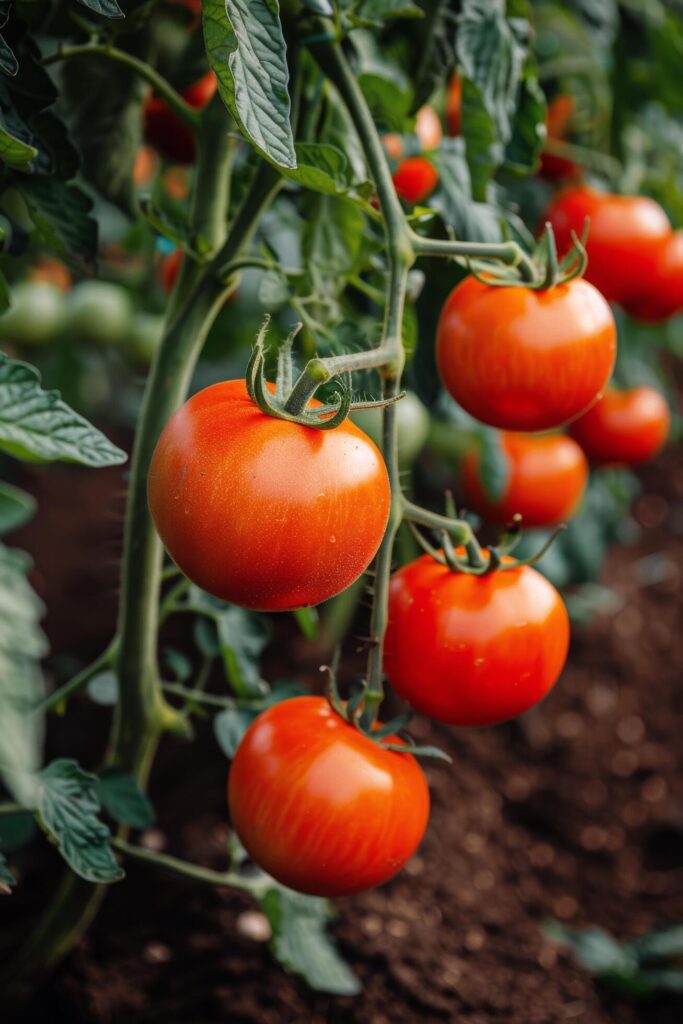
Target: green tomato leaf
121,797
494,465
661,944
389,100
301,943
9,65
61,215
247,53
7,879
16,507
36,426
229,727
476,221
15,145
332,236
321,168
242,636
107,8
594,949
22,644
68,805
376,12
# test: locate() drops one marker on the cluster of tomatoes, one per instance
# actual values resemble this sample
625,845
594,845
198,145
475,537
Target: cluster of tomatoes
272,515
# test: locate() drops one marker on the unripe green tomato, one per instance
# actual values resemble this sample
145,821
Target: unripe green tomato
35,315
99,312
144,337
412,421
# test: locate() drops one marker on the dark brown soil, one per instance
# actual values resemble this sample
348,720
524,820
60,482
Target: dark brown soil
573,813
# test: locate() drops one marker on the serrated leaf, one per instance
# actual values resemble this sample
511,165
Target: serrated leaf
332,236
36,426
301,943
248,55
242,636
476,221
107,8
494,465
9,64
6,876
528,129
389,100
22,644
60,212
103,689
68,806
121,797
321,168
16,507
229,726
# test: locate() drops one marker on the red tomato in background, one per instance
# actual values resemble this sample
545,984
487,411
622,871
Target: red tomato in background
415,179
666,298
428,127
547,475
453,105
262,512
525,360
145,166
321,807
624,242
169,268
624,427
51,271
558,118
165,131
473,650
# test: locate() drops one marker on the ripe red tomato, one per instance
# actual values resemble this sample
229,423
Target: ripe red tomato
547,475
321,807
262,512
415,179
558,118
169,268
428,127
624,427
624,242
473,650
165,131
453,105
666,298
525,360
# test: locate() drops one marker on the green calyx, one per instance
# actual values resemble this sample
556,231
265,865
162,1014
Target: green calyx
289,399
549,271
352,712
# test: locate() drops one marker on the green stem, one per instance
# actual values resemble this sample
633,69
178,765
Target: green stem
187,114
14,809
507,252
66,690
459,529
255,886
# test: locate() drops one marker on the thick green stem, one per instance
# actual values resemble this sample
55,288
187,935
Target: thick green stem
162,88
506,252
231,879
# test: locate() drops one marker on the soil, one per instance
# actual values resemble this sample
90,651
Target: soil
574,813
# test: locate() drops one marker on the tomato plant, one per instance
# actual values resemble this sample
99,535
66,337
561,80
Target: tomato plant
525,360
321,807
254,205
474,650
545,478
624,427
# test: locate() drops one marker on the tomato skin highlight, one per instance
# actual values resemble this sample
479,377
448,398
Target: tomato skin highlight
428,127
666,297
624,241
321,807
526,360
624,427
415,178
164,130
473,650
547,475
262,512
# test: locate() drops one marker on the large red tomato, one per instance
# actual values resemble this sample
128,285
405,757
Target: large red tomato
624,242
415,178
262,512
473,650
666,297
624,427
165,131
546,478
321,807
525,360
